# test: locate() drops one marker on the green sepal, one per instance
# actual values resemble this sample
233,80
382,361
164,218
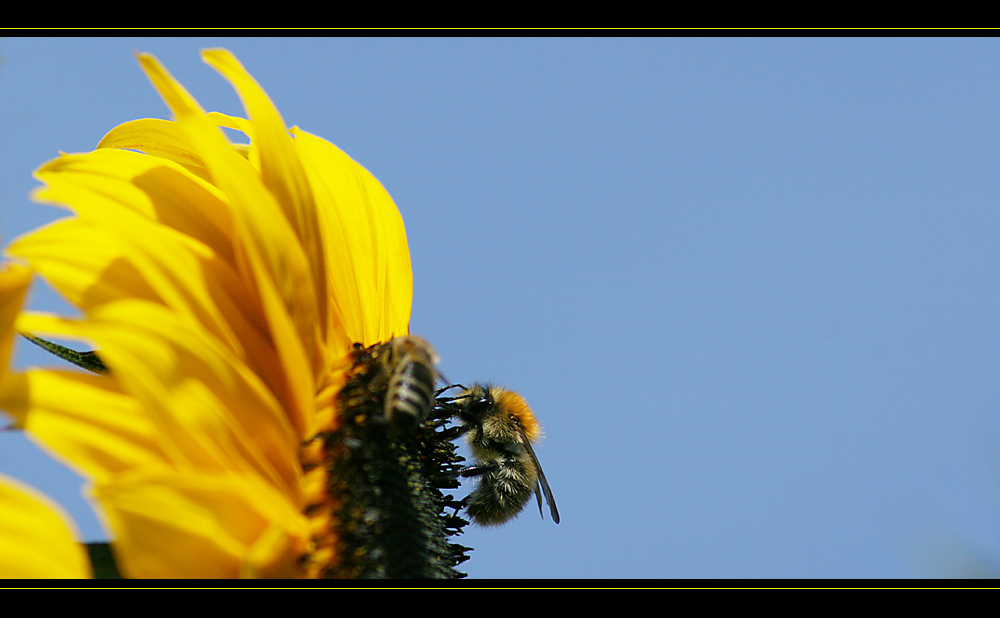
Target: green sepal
102,561
87,360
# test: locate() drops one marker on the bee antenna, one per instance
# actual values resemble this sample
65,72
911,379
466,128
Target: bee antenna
444,379
448,388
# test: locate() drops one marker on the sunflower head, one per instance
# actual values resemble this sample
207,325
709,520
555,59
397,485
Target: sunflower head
240,298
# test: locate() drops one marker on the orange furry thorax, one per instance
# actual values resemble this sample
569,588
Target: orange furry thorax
512,403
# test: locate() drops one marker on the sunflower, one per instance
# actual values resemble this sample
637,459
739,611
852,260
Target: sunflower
232,292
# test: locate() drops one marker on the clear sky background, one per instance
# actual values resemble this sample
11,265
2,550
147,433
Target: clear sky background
749,286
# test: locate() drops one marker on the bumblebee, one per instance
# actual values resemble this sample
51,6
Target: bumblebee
500,427
410,394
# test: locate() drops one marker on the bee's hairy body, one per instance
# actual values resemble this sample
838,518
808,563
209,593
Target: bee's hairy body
505,487
410,393
500,427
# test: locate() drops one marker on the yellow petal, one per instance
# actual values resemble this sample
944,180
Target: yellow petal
272,258
372,284
144,238
160,138
107,185
36,539
14,280
209,410
75,257
281,170
195,525
85,421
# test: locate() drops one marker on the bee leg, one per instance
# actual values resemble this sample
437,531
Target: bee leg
461,430
446,404
477,470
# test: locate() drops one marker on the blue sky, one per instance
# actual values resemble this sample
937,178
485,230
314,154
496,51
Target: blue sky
749,286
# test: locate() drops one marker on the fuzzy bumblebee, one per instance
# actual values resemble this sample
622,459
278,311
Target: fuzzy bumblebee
410,394
500,427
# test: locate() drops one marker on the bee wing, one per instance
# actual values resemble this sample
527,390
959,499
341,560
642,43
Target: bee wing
542,487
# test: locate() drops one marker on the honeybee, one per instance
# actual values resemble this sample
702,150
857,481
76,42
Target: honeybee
410,394
500,427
